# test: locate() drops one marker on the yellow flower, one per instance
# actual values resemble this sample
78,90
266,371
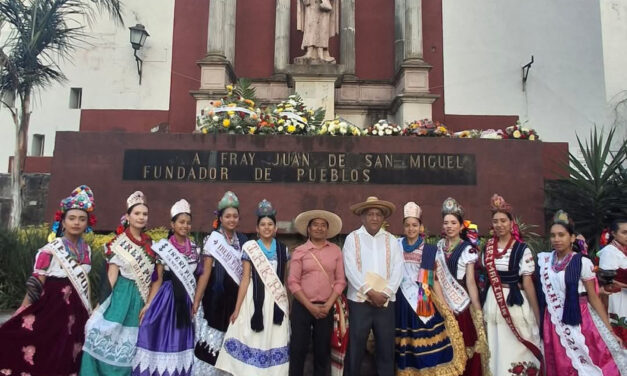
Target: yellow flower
291,128
226,123
204,130
281,121
231,104
229,87
516,134
251,130
303,119
532,138
231,113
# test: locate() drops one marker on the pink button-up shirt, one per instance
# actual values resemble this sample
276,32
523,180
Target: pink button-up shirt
305,274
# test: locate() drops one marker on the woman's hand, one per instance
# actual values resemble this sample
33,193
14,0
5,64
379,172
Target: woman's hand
234,315
143,312
195,307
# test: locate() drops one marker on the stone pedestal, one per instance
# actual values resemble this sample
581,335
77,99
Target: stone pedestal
215,74
316,85
413,100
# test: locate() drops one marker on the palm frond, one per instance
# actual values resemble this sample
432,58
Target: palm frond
245,89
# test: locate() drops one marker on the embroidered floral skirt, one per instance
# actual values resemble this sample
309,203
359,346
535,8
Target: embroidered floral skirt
45,338
557,361
162,348
516,356
246,352
111,332
434,347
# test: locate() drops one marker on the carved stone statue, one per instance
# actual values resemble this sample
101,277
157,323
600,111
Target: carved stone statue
319,21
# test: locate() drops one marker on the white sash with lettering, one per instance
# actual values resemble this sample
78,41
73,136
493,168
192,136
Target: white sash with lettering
267,274
75,272
177,262
571,337
230,258
455,295
139,261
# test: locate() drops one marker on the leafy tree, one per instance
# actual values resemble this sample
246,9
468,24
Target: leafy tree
595,191
39,33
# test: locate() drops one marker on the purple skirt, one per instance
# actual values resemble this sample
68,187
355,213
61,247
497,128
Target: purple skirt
162,348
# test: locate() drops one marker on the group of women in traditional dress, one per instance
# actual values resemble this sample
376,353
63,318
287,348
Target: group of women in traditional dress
171,308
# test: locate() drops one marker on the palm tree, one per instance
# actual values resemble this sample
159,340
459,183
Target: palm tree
40,33
595,191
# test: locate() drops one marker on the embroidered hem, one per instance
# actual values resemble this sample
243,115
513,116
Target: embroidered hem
208,337
457,365
256,357
178,363
612,344
481,346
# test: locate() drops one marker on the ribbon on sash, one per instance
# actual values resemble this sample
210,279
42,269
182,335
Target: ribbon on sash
497,288
229,257
75,272
178,264
267,274
455,295
409,288
139,261
571,337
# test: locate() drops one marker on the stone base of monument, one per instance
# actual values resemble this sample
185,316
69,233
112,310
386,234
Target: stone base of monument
316,85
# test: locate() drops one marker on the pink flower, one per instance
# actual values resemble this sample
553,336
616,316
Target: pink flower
29,353
28,321
71,321
67,291
6,371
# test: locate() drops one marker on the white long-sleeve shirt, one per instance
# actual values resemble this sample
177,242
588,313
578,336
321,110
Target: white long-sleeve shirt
375,258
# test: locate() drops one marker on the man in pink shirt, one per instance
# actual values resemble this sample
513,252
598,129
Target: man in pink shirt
316,279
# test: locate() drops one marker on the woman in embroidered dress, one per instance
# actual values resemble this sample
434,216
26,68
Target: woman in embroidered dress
256,342
165,343
578,339
513,263
613,259
45,335
221,272
111,332
428,340
461,257
316,279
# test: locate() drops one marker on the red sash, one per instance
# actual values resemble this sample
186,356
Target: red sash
497,288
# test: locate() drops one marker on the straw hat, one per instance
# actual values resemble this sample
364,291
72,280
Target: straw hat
303,219
373,202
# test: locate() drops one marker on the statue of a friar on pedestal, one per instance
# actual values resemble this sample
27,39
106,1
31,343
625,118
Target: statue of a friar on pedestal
318,20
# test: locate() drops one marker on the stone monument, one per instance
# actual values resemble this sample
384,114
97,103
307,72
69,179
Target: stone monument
318,20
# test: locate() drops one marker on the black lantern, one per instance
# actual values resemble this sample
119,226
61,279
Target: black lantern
138,38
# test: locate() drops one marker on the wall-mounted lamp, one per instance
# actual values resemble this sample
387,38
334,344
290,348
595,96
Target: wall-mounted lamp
138,38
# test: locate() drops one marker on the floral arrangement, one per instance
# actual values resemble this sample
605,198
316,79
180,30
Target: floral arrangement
234,113
294,118
517,131
383,128
426,128
339,127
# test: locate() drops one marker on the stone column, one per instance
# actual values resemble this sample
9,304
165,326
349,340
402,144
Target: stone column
230,8
413,30
215,37
347,36
399,32
282,36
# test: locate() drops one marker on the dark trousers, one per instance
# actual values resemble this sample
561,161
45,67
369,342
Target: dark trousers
302,323
362,318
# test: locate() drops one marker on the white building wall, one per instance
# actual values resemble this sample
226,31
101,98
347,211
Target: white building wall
486,42
614,26
105,69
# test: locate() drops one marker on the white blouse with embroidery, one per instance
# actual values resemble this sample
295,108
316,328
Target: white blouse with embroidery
587,271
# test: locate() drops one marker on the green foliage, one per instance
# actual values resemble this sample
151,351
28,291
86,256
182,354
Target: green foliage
594,193
245,89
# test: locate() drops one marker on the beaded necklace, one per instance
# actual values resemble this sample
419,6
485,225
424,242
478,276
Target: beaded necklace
558,266
498,254
79,250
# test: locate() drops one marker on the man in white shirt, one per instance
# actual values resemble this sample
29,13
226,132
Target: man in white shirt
373,262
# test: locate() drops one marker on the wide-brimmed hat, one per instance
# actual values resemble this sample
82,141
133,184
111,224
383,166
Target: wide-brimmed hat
373,202
333,220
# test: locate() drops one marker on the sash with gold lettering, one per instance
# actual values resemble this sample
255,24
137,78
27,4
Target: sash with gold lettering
267,274
178,264
571,337
455,295
230,258
136,257
75,272
497,288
